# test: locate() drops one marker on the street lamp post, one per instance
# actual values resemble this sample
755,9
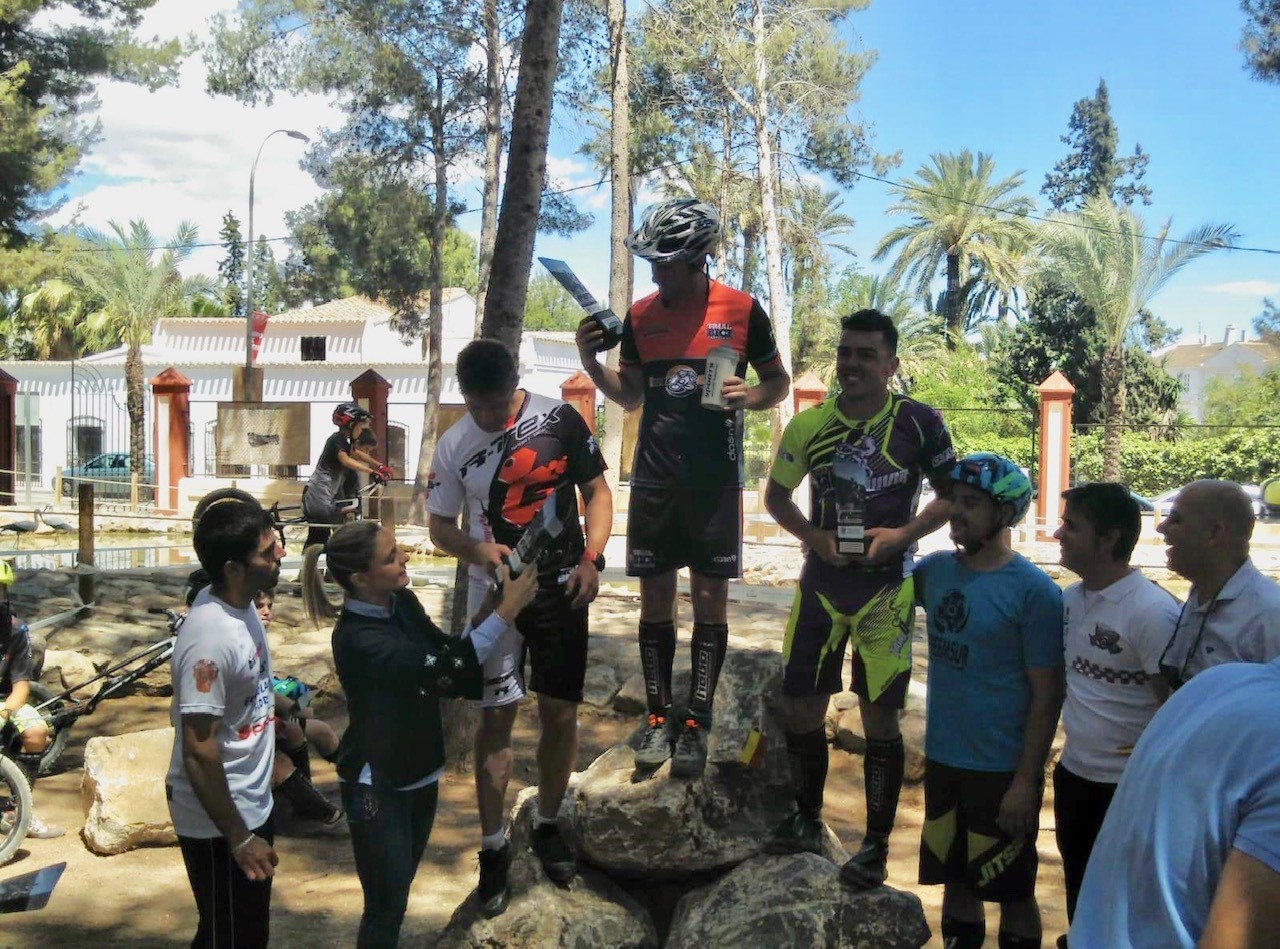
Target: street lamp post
248,273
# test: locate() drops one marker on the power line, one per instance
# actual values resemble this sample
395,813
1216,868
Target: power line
607,177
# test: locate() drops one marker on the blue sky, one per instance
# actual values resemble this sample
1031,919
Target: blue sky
998,76
1001,76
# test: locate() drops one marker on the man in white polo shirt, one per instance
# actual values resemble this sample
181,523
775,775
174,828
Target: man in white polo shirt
1117,623
1233,612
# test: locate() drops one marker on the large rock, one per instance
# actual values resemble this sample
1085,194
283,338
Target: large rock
795,901
123,792
652,827
64,669
590,912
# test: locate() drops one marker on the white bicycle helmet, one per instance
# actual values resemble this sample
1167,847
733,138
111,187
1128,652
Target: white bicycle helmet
684,229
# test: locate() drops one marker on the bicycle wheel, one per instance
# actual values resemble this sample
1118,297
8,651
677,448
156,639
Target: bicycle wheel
15,808
41,693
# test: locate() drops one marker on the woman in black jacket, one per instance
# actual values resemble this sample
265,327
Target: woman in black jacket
394,664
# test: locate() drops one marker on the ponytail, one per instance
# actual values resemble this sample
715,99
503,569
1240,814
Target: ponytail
349,551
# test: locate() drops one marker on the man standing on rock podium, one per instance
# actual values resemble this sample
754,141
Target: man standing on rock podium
686,482
865,452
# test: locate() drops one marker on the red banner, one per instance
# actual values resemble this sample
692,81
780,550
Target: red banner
259,330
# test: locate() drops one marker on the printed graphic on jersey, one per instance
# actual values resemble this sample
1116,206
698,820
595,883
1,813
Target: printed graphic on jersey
205,673
681,381
719,331
527,483
951,615
1105,638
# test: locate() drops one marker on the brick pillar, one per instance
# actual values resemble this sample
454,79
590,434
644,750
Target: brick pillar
580,392
1055,451
808,391
8,437
171,435
370,390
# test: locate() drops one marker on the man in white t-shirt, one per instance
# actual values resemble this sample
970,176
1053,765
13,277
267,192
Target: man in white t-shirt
223,713
1117,623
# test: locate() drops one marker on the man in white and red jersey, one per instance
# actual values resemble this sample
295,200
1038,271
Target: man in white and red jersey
686,479
511,455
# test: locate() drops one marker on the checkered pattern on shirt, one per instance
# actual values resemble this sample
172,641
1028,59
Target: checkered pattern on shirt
1105,674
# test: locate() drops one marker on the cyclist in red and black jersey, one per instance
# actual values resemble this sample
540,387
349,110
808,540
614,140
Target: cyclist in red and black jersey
686,480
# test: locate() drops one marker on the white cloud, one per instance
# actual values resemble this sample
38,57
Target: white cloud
1245,288
180,154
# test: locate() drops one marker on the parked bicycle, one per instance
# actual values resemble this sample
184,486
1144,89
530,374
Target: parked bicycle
60,711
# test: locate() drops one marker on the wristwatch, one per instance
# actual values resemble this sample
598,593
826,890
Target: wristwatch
593,558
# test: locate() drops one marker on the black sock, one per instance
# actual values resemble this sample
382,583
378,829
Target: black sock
306,799
882,773
807,755
958,934
657,652
1014,941
29,765
710,640
301,759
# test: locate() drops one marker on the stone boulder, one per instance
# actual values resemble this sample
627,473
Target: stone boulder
649,826
591,911
123,792
64,668
795,901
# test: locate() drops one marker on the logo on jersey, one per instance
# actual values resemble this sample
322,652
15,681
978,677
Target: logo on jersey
681,381
1104,638
593,447
529,484
719,331
205,673
951,615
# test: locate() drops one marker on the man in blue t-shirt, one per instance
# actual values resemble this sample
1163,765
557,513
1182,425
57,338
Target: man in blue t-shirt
995,691
1189,853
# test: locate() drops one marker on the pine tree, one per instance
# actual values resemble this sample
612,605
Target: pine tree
231,267
1091,167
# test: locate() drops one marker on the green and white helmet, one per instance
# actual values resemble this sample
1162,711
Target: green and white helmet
684,229
997,476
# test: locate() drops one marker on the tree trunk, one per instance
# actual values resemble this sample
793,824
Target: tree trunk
951,314
1113,396
726,161
779,305
493,95
620,260
749,258
435,317
135,404
526,174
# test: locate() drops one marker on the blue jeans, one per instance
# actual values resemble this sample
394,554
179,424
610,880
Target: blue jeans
389,831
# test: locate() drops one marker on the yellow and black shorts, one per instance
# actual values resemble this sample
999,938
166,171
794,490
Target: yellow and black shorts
876,611
961,842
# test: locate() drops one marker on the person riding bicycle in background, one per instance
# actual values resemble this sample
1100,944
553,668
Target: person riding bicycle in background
328,486
17,669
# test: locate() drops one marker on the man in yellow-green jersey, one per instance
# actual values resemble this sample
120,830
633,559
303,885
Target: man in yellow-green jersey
865,452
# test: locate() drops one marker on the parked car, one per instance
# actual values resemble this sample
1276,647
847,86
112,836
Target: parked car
1164,502
109,474
1145,505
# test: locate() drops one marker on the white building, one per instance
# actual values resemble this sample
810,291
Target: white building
76,409
1197,362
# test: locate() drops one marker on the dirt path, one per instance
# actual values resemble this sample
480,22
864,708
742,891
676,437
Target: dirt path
141,899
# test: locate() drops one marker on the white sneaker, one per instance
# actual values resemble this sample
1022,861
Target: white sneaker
42,831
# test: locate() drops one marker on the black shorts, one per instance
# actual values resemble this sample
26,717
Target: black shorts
961,843
679,526
876,610
550,636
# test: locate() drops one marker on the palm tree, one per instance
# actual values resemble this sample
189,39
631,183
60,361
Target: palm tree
919,336
810,225
1102,253
960,218
51,315
126,288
